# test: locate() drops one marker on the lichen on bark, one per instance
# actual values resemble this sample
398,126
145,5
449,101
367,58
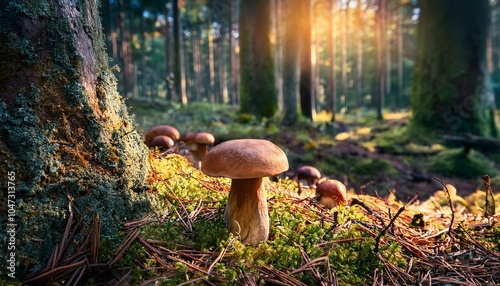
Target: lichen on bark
65,130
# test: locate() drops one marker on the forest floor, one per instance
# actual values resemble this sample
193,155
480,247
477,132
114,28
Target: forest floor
367,155
400,237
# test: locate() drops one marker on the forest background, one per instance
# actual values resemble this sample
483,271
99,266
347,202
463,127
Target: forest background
354,56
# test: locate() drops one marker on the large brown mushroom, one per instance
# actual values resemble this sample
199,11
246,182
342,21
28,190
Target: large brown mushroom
331,193
246,162
157,130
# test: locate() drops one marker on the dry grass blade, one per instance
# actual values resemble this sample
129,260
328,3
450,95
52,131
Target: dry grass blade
450,203
54,272
379,236
222,253
123,247
95,239
278,277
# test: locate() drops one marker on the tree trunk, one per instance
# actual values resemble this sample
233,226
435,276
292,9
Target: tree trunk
234,53
332,76
127,68
179,72
221,67
168,57
291,52
343,36
257,89
381,64
359,55
197,66
65,131
400,58
278,31
211,68
451,90
306,71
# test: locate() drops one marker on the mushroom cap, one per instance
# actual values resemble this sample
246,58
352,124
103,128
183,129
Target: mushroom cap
189,137
333,189
204,138
161,141
166,130
308,172
245,159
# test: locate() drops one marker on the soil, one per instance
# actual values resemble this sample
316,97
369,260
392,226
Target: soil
413,180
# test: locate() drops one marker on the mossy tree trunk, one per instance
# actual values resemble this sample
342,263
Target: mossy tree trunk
258,95
451,89
65,131
306,86
291,56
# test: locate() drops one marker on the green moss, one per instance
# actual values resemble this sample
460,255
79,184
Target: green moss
456,162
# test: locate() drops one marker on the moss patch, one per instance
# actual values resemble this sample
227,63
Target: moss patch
456,162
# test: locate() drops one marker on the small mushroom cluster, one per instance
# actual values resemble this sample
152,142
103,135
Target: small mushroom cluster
329,193
161,136
165,137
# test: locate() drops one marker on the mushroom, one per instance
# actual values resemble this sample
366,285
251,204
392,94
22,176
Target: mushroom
246,162
309,175
162,142
331,193
200,147
188,140
166,130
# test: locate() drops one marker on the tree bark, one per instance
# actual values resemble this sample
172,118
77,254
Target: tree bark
234,46
258,94
359,55
400,58
332,76
381,64
179,67
291,52
451,90
306,70
65,131
168,51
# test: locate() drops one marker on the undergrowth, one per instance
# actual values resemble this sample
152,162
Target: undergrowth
308,245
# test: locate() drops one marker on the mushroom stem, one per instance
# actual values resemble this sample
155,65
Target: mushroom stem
199,153
246,211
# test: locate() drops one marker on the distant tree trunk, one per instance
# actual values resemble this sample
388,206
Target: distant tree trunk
179,67
494,64
359,55
381,64
388,59
451,91
332,76
234,54
306,71
278,30
197,66
221,66
127,68
400,58
344,39
65,130
257,89
211,68
168,50
291,52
